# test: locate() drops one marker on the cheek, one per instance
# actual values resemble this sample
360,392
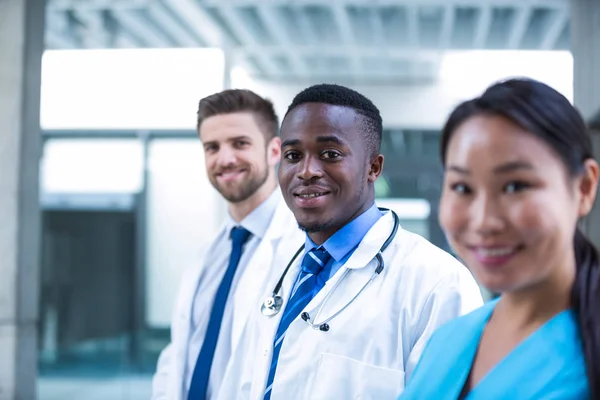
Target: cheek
209,161
453,216
251,158
546,225
536,218
284,174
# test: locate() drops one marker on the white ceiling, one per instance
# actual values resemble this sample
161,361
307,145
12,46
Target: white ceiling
356,40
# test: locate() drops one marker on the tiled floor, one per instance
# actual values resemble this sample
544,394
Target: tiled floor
131,387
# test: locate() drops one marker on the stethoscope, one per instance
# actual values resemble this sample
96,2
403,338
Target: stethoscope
274,303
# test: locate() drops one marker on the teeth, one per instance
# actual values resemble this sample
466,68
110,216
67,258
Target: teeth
496,252
310,196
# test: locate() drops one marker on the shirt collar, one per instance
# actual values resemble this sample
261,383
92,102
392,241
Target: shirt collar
349,236
257,222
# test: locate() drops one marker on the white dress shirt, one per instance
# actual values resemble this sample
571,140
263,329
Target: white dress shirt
257,222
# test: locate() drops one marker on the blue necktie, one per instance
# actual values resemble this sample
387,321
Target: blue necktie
199,384
312,264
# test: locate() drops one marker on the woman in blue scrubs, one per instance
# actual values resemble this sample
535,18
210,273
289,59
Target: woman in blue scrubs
519,174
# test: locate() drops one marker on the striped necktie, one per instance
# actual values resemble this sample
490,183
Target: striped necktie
200,377
312,264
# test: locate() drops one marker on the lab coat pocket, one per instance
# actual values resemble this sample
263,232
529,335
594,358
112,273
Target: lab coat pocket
339,377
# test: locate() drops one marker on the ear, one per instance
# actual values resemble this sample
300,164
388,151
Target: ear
274,151
588,187
375,168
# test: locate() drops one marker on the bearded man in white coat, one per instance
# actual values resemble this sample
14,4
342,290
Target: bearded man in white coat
238,130
355,318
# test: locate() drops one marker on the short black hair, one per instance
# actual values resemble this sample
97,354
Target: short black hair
337,95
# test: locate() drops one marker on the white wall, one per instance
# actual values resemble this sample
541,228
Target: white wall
462,75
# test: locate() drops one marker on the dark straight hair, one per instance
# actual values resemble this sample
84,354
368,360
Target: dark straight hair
548,115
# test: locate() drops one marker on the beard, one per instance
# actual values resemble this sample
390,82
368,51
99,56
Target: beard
245,189
318,227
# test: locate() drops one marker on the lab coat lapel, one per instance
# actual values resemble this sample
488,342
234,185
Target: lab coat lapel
268,325
250,285
363,256
183,318
180,327
265,266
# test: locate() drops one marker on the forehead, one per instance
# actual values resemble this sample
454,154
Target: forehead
310,120
492,140
227,126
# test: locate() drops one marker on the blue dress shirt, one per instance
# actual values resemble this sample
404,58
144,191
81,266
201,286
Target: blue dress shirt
343,243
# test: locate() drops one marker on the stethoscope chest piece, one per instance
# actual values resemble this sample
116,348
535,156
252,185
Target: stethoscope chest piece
271,306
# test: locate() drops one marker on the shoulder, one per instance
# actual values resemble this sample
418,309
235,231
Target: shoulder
415,256
465,324
459,331
283,223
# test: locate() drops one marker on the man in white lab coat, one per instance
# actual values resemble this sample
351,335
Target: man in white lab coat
238,130
347,328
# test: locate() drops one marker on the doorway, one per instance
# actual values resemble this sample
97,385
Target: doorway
87,302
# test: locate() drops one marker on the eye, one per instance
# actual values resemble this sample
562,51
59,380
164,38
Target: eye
461,188
516,186
292,156
331,155
211,148
241,143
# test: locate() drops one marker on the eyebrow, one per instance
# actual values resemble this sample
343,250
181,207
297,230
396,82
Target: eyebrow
320,139
290,142
331,138
501,169
513,166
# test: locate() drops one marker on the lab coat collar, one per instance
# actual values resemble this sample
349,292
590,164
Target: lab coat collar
278,224
372,242
259,222
343,242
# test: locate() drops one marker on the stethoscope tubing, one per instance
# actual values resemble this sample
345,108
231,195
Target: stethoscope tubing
274,305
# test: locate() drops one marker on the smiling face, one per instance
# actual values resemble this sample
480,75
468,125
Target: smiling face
326,172
238,161
509,206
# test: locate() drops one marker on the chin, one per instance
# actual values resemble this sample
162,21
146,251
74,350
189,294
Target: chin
498,284
312,226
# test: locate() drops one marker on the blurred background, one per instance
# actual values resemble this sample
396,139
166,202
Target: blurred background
124,201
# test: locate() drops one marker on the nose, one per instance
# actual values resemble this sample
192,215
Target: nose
309,169
226,156
486,215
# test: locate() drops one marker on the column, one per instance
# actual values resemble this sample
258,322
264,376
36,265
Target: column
21,47
585,46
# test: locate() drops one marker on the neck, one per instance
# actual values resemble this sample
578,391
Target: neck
539,303
242,209
321,237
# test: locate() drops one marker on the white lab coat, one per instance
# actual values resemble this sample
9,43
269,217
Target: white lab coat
373,346
282,239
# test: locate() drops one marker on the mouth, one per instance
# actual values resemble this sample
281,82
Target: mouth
311,197
494,255
228,176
